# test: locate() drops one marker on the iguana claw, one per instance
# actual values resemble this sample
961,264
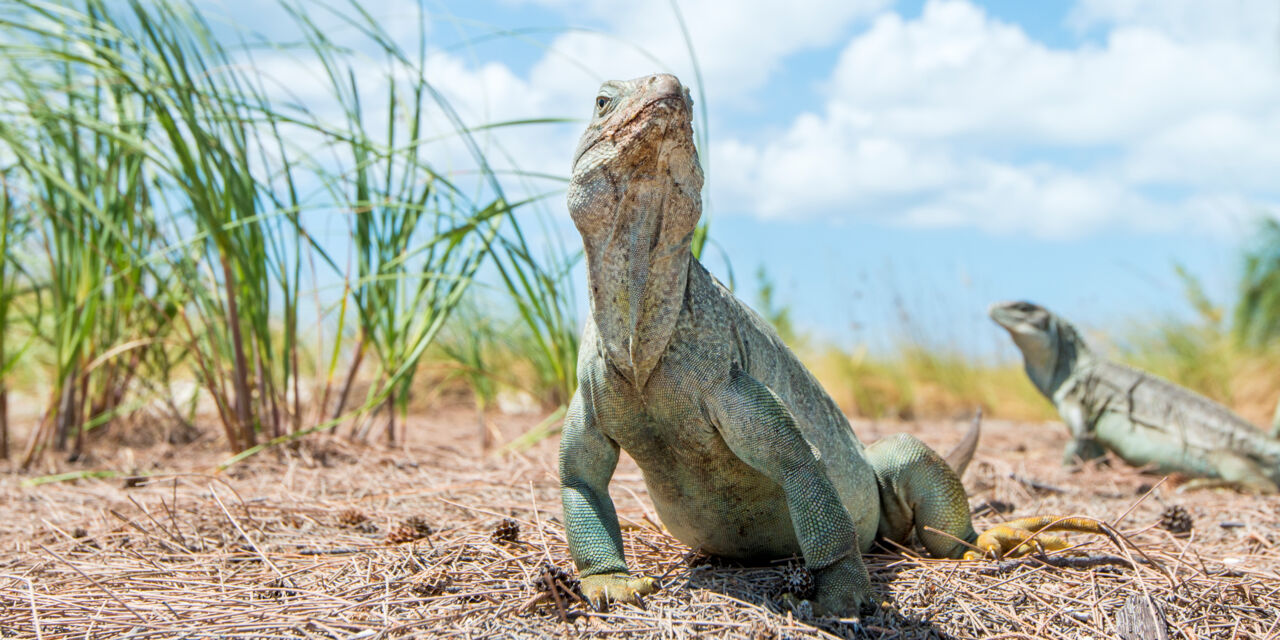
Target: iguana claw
623,588
1020,537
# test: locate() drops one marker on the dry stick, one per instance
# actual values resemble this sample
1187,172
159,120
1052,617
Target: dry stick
95,582
36,436
4,408
158,525
350,381
246,537
31,597
1116,523
244,427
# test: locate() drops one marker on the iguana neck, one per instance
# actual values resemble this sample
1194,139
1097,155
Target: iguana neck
1049,363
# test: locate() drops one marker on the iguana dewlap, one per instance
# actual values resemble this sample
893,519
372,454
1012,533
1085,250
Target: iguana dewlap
1144,419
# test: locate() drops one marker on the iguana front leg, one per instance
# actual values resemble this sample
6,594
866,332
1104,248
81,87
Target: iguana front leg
1084,445
762,432
587,461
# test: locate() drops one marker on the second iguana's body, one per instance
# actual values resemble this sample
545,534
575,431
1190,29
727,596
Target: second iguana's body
1144,419
743,453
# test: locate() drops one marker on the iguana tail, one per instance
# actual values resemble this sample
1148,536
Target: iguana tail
960,457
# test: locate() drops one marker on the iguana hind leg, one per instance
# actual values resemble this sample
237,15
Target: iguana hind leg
918,489
1234,470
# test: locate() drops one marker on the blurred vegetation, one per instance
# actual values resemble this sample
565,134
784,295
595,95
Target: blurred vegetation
919,380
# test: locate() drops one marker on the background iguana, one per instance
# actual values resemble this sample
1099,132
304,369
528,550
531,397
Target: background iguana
744,455
1144,419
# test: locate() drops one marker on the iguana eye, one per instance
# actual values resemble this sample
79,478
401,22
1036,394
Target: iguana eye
602,102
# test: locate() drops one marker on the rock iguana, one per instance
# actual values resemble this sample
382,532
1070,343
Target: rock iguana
1144,419
743,453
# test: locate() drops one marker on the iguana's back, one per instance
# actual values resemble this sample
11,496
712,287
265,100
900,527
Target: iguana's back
1150,400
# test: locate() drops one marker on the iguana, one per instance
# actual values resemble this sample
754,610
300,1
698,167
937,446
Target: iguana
1144,419
743,453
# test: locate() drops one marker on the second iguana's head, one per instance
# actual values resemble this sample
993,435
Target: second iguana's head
635,195
1050,346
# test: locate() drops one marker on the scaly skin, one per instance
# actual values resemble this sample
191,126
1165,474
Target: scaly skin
745,456
1144,419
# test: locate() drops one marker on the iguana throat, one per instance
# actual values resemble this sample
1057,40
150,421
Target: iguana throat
635,196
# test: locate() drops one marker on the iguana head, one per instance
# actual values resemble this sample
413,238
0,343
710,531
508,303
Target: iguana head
635,196
1050,345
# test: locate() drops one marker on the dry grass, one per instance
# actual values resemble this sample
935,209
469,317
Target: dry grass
296,545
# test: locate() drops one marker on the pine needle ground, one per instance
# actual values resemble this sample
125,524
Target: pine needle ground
336,540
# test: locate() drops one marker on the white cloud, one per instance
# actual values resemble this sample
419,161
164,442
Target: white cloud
967,121
738,47
1254,22
1164,116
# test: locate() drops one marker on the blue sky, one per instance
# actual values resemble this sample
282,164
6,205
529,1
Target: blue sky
923,157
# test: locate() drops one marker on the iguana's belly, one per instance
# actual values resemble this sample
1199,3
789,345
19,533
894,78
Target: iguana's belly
706,496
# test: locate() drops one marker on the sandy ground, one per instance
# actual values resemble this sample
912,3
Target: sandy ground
338,540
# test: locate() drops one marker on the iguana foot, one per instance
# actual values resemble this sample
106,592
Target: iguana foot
1020,537
842,589
623,588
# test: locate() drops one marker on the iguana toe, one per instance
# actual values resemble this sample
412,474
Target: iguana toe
623,588
1021,537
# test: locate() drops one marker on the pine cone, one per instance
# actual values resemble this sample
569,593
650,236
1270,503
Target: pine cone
798,581
351,517
431,584
1176,520
697,558
550,576
507,531
411,529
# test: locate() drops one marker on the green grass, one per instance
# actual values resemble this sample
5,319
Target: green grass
158,196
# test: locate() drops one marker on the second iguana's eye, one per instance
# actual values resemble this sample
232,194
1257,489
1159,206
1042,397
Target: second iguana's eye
602,102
